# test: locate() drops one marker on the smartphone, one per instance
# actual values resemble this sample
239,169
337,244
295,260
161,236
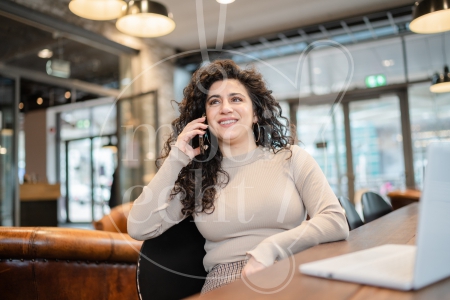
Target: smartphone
201,142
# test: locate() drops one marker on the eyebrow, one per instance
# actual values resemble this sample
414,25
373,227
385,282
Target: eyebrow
229,95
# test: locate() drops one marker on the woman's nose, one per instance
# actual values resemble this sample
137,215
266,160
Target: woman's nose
226,108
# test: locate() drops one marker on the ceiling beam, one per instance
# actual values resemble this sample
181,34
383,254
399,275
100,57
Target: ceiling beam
355,94
348,31
45,22
303,35
324,31
30,49
392,22
9,71
369,26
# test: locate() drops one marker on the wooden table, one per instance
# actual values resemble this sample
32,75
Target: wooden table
398,227
400,198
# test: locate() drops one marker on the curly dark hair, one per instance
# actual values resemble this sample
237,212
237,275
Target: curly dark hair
267,109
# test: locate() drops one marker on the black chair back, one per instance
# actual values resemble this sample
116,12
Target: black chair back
353,218
374,206
179,252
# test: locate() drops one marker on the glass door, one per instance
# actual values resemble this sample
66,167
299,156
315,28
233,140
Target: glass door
377,145
104,159
79,181
90,166
359,144
139,143
8,152
320,130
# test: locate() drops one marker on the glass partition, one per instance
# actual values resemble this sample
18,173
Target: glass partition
79,179
325,69
86,164
330,66
139,146
8,155
425,54
104,166
430,122
90,168
285,77
377,148
322,135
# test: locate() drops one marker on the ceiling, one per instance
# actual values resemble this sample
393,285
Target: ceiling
24,42
88,64
244,18
250,18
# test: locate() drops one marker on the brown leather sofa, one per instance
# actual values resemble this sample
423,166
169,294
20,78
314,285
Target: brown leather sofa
116,221
66,263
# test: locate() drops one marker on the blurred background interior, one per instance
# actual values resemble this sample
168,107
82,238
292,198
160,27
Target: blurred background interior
85,105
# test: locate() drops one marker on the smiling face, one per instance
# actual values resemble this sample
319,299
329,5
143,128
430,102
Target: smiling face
229,112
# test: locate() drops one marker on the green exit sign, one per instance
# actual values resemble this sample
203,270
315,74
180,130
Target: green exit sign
375,81
83,124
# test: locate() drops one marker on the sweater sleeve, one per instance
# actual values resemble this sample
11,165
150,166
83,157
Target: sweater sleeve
153,212
327,220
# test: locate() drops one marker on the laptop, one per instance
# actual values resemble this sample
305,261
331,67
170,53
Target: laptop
405,267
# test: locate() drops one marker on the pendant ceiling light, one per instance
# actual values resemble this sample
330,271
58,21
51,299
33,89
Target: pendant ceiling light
99,10
441,82
431,16
146,19
110,146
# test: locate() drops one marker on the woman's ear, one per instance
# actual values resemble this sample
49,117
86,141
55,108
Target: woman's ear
255,118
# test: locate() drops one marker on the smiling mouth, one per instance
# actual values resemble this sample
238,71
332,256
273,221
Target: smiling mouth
227,122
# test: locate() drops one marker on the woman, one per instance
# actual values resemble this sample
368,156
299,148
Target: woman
249,203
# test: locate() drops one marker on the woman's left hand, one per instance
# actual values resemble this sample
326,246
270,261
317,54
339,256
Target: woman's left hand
252,266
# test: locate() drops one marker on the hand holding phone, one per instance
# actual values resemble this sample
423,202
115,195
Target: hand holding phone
192,129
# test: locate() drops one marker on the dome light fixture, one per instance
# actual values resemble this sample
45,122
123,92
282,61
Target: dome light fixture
431,16
110,145
146,19
99,10
441,82
225,1
45,53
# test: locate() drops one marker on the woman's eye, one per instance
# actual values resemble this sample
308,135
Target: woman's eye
212,102
236,99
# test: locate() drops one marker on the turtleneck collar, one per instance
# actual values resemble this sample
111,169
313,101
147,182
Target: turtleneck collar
243,159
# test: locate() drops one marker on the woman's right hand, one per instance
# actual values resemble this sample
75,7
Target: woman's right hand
193,128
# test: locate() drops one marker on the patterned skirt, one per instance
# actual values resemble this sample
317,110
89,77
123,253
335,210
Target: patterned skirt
223,274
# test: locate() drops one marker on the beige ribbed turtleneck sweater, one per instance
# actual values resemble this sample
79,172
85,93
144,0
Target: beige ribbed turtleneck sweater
261,212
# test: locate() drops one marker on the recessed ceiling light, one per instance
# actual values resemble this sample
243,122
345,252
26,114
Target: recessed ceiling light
225,1
45,53
67,95
39,101
21,105
388,62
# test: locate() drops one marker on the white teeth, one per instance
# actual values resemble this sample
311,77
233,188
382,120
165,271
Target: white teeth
228,122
